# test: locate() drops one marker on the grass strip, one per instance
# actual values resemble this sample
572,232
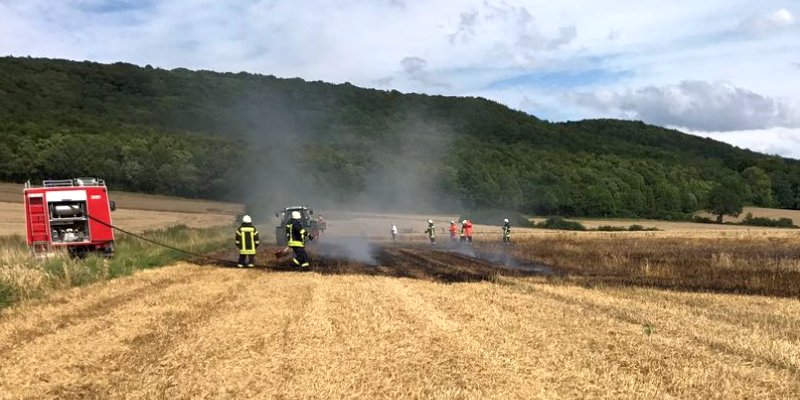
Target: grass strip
24,277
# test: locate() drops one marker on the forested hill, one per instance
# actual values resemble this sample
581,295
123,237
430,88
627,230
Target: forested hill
268,140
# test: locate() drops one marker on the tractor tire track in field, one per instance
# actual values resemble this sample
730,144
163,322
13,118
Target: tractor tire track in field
24,335
287,341
146,349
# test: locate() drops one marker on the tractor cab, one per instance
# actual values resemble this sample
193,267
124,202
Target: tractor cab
285,215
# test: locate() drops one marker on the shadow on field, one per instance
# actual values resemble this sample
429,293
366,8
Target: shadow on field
445,265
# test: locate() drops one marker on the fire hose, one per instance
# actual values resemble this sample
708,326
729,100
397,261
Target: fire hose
157,243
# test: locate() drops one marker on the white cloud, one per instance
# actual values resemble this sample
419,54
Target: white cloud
459,47
414,67
766,23
466,28
697,105
517,38
781,141
614,34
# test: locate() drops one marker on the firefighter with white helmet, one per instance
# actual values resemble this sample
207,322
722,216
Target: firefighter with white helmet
506,231
297,236
431,231
466,231
247,242
453,232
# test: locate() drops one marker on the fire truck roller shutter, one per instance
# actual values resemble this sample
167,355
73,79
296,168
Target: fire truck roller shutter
65,195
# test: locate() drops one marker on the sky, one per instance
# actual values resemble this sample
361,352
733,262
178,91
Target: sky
725,69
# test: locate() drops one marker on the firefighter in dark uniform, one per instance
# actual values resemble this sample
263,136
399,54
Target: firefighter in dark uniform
297,237
247,242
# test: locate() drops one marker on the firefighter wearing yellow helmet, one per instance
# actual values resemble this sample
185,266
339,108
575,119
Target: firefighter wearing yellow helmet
297,236
247,242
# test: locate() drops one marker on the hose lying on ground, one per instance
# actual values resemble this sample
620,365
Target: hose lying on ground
140,237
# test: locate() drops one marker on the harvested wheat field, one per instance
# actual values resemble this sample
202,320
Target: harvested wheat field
412,323
556,315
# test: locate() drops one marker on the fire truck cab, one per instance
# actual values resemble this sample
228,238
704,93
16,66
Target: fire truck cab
71,213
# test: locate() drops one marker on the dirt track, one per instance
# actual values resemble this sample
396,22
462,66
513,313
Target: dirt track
208,332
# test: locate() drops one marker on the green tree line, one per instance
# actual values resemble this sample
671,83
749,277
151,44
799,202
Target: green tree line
221,135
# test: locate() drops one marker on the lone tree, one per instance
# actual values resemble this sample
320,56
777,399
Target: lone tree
727,198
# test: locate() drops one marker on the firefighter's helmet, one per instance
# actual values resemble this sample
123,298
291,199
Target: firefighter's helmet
295,214
247,220
430,221
505,220
464,221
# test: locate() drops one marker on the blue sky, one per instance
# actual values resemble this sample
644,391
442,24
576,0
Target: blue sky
724,69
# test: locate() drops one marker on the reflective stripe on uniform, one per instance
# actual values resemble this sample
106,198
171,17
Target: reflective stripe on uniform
246,239
290,236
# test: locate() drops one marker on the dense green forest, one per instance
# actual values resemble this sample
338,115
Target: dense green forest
269,141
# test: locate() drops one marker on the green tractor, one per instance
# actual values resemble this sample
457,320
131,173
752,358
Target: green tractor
285,216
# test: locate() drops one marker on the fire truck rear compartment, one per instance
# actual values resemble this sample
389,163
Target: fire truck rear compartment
68,222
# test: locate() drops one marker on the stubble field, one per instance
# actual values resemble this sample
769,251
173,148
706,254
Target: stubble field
555,315
190,331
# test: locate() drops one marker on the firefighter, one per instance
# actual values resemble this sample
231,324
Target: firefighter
318,226
322,225
506,231
466,231
247,242
297,237
431,231
394,232
453,231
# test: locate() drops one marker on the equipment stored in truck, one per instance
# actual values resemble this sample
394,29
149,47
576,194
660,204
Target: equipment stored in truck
71,213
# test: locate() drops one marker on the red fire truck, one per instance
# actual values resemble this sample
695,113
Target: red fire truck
70,213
